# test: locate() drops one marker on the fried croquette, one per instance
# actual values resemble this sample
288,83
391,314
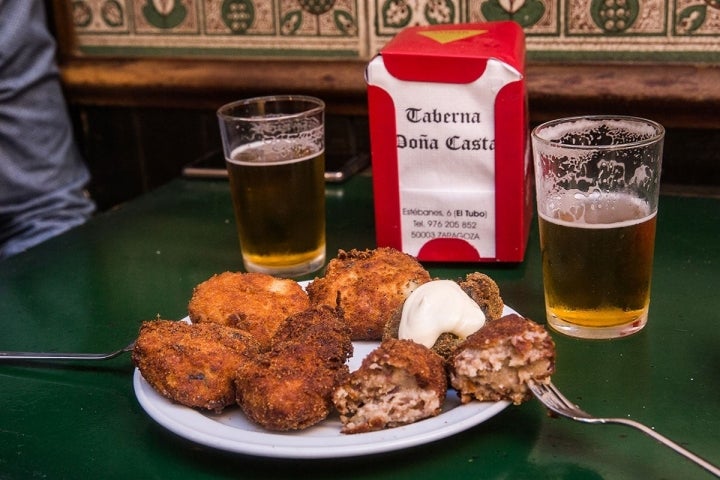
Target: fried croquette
496,362
192,364
478,286
367,287
398,383
290,386
255,302
485,292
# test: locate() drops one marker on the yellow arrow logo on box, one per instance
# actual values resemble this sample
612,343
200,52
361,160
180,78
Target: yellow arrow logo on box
447,36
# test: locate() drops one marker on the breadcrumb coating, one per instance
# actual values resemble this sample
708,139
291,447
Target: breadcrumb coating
290,386
193,364
254,302
367,287
485,292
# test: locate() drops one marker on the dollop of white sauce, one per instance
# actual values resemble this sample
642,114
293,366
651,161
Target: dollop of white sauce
437,307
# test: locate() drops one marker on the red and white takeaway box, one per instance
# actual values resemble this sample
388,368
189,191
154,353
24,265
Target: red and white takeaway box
451,163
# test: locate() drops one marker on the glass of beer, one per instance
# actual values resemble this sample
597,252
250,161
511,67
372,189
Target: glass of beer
597,183
275,155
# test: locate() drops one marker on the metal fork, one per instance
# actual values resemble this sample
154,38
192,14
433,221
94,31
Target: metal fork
64,356
550,396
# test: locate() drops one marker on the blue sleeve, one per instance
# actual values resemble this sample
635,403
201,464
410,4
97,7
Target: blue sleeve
42,175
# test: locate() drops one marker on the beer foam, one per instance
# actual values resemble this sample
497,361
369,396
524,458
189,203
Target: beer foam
275,152
586,132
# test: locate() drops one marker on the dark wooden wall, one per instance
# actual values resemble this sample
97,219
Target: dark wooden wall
137,135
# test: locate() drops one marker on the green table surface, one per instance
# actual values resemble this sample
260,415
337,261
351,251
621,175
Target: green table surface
89,289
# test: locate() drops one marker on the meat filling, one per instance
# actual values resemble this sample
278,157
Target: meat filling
386,398
399,383
496,362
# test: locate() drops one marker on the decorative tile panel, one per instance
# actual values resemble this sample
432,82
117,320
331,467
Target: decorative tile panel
252,28
560,30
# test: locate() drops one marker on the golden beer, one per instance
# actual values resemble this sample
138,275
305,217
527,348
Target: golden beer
279,203
597,180
597,266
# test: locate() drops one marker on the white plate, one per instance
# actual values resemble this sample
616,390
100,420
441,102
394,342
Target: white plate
231,431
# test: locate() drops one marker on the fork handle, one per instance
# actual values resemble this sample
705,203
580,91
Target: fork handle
668,443
56,356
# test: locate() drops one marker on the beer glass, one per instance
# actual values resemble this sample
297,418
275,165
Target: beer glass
275,155
597,184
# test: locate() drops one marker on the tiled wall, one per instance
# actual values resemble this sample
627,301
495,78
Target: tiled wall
666,30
